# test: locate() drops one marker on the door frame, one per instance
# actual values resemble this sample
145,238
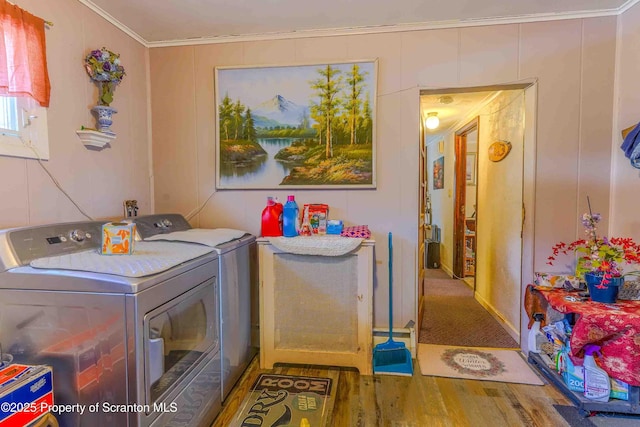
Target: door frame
422,221
530,86
460,194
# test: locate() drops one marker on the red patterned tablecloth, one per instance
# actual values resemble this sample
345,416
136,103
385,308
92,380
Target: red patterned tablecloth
615,327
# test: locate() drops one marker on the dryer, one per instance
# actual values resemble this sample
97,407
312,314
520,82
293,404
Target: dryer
238,277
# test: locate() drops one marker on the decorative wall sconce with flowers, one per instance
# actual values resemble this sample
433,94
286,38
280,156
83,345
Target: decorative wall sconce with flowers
104,68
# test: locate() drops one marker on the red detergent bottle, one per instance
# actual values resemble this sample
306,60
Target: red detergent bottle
272,219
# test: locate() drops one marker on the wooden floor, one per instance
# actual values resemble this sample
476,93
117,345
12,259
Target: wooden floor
396,401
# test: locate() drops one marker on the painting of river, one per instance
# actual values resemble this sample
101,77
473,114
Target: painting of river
265,169
303,126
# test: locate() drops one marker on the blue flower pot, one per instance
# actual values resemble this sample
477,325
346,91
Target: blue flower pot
105,118
607,295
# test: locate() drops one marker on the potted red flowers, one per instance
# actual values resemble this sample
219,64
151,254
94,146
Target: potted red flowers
601,260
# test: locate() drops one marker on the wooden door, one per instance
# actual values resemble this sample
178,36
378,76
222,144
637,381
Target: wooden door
460,186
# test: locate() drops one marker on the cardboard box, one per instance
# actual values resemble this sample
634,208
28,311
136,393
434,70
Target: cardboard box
318,216
574,376
118,238
26,393
619,389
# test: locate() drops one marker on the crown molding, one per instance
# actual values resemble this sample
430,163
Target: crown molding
462,23
387,28
628,5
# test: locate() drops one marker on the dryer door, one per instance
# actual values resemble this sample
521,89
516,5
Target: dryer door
179,337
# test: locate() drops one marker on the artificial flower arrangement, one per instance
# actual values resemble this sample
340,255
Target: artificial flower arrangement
103,67
602,256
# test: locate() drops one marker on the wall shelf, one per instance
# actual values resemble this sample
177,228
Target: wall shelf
93,138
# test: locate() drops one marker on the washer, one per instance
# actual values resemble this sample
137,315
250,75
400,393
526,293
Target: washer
137,335
238,276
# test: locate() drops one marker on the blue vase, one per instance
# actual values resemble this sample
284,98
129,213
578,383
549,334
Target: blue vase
607,295
105,118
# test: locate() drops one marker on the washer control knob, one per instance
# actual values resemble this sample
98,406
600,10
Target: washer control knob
166,223
77,235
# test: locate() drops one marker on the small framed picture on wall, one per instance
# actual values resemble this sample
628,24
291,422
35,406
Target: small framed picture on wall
438,173
471,169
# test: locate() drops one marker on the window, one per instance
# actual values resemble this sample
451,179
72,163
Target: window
23,128
25,90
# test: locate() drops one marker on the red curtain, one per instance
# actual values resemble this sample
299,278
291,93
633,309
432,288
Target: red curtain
23,54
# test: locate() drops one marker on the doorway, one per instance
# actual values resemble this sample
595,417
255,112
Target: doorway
480,205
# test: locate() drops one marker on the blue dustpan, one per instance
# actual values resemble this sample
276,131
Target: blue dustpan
392,357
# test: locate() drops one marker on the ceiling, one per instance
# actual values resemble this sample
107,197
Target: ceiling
452,107
157,23
165,22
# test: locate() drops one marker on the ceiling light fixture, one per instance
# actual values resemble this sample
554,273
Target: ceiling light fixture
432,121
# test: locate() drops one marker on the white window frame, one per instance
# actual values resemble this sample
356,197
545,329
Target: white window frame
31,139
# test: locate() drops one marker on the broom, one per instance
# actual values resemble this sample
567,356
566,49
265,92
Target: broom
392,357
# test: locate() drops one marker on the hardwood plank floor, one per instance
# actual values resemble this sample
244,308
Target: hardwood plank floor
398,401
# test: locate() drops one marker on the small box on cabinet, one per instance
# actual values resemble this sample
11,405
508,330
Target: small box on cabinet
334,226
318,216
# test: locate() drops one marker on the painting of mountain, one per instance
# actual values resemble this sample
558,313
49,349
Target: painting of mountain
300,126
279,111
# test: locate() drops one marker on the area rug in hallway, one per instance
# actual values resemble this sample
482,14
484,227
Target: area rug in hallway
452,316
285,400
475,363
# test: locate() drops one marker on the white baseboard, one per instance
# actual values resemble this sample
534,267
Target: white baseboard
511,330
404,335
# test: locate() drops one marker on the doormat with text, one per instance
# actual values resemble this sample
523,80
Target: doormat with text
475,363
285,400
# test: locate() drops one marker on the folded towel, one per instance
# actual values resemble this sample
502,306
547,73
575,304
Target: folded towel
203,236
316,245
361,231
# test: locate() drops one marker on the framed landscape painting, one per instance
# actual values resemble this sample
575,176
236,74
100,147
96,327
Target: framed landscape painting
296,126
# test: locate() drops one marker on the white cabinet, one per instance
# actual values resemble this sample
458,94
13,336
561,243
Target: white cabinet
316,309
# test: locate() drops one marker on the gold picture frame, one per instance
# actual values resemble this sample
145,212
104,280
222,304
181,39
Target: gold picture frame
305,126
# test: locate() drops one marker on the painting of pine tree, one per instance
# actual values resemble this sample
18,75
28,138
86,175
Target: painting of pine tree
296,126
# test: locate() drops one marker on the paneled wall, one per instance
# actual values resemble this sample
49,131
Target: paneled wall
556,53
97,180
577,142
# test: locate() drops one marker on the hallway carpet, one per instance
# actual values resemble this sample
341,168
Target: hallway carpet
453,317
